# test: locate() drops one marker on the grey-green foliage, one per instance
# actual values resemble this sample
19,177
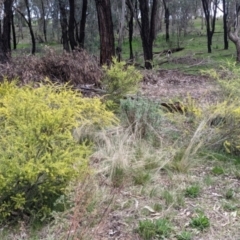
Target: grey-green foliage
143,115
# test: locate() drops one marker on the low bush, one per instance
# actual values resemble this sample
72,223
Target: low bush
38,153
120,80
142,115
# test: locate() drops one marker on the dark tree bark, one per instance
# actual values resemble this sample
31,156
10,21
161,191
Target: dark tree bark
13,33
130,29
105,25
166,20
44,22
64,24
210,20
147,30
83,24
225,28
5,34
29,22
71,25
132,5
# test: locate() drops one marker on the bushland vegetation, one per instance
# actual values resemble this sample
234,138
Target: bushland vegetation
102,152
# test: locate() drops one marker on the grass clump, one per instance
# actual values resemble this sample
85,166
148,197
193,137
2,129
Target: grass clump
158,229
200,222
192,191
217,170
184,235
38,153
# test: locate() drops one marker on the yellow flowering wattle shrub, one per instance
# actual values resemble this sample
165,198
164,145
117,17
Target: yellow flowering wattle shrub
38,154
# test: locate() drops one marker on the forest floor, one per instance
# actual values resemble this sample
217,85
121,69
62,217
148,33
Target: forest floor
167,194
200,202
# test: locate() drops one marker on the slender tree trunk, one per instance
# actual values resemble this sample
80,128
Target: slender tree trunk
64,25
83,24
148,30
225,29
71,25
105,25
210,20
167,20
130,33
29,23
13,33
121,27
44,22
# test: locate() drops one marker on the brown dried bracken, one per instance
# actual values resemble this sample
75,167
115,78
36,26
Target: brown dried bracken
76,68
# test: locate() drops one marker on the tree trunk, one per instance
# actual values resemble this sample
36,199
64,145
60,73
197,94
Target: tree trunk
233,36
13,33
71,25
167,20
44,22
83,24
121,27
130,33
29,23
225,29
64,24
105,25
147,30
210,20
6,34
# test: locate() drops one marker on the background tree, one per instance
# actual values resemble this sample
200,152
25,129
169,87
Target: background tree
147,30
5,34
210,12
64,24
234,26
28,20
166,19
81,37
105,25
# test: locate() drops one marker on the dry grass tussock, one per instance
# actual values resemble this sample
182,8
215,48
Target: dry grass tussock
77,68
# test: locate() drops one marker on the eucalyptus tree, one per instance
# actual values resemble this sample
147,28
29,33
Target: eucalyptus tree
27,16
5,33
234,25
71,25
166,18
105,25
82,25
210,11
63,5
225,4
148,29
121,30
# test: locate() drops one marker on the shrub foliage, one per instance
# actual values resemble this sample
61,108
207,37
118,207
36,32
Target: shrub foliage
38,154
120,80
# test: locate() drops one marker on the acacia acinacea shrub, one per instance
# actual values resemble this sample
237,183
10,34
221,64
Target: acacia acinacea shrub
38,154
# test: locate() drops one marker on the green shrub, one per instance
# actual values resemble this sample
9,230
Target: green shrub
159,229
193,191
38,154
200,222
120,80
142,115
